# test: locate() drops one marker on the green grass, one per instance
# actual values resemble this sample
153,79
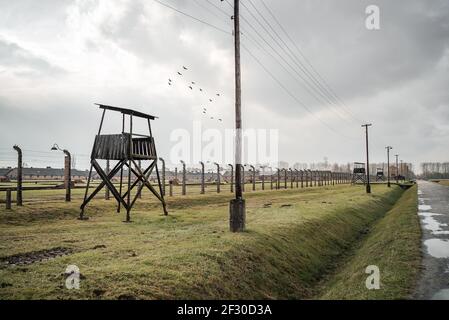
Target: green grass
285,253
394,246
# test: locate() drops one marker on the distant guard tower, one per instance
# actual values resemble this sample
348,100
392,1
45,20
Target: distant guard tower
359,173
129,150
380,175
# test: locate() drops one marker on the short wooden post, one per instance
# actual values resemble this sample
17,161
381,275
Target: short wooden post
170,188
8,199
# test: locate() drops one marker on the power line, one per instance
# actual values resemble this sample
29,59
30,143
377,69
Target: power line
290,93
192,17
302,104
311,84
308,62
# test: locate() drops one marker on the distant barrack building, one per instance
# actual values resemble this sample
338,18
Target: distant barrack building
192,175
41,173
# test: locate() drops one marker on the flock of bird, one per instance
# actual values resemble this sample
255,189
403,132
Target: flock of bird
192,85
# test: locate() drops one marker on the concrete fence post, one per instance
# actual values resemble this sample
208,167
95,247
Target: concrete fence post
184,189
8,199
203,189
106,191
19,198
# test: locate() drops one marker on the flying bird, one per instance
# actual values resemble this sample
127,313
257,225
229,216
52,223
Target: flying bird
184,68
220,120
210,100
180,73
201,90
190,87
169,80
193,82
218,94
212,118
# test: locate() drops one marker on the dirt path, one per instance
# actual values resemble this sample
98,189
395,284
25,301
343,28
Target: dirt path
434,216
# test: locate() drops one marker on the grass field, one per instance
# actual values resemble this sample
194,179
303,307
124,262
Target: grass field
393,245
295,239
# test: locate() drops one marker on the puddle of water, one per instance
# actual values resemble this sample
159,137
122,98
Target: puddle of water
437,248
424,207
441,295
428,214
433,225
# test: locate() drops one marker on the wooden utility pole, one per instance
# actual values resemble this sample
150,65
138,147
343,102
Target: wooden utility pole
397,168
388,165
237,205
368,185
19,175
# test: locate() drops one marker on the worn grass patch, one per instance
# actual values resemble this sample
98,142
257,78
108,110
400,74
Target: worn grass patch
394,246
288,248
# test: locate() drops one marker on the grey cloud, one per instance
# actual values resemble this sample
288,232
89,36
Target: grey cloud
13,56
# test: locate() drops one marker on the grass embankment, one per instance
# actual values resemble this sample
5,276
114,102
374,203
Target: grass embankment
288,248
444,182
394,246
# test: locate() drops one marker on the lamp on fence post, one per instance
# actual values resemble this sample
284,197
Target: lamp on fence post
285,178
202,177
183,178
254,176
291,177
67,171
218,177
263,177
271,178
163,175
19,175
278,180
232,177
388,165
402,170
297,178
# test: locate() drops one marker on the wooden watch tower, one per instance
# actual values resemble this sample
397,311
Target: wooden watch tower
129,149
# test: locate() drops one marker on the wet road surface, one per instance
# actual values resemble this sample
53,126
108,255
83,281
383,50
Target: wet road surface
434,217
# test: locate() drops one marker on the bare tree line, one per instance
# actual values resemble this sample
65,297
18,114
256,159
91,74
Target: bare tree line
435,170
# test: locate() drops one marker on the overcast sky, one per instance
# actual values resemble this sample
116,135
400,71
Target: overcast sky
59,57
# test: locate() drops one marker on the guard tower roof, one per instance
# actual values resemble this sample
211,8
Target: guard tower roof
127,111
